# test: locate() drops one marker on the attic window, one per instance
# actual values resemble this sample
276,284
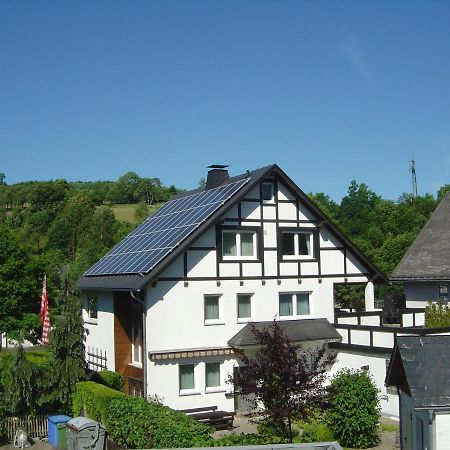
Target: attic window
267,192
297,244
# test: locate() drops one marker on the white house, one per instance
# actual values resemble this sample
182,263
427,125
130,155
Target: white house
424,398
167,306
425,268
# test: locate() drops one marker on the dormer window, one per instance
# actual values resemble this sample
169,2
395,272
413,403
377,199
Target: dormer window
297,244
267,192
239,244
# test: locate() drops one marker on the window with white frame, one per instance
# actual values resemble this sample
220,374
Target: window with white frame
267,192
294,304
213,309
212,375
297,244
239,244
92,306
136,345
244,307
186,377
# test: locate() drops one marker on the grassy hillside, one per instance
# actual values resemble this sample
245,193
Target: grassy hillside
127,212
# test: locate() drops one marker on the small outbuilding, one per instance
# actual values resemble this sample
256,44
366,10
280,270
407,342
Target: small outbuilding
420,370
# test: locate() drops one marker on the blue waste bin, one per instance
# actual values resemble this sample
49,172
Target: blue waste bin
54,424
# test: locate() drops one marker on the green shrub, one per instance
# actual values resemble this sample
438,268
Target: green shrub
137,423
437,315
113,380
91,399
316,430
354,409
274,430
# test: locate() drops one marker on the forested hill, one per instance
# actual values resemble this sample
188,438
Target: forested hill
61,228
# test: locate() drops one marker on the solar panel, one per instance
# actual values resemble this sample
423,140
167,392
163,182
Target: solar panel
158,235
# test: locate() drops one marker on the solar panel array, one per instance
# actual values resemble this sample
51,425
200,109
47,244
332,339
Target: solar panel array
158,235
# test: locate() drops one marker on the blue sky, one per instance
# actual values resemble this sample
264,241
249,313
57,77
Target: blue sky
330,91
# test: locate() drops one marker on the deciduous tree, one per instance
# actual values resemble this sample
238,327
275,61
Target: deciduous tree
286,379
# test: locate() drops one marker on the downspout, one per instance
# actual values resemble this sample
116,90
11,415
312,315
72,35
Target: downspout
430,429
144,338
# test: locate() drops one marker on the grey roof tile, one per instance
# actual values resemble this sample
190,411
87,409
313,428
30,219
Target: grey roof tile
296,330
428,258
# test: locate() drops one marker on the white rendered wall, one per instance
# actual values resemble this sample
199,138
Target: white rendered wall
163,379
175,318
442,427
100,334
377,368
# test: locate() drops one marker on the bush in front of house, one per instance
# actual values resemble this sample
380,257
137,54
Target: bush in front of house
91,399
437,315
113,380
316,430
354,411
136,423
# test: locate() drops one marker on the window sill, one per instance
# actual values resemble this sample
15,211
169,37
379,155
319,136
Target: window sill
215,390
135,364
91,321
187,392
297,258
245,320
304,316
213,322
239,258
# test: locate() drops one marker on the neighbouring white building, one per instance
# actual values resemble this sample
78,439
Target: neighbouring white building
425,268
167,306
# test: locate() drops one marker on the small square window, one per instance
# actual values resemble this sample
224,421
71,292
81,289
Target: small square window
267,191
213,313
294,304
212,374
186,376
92,307
244,306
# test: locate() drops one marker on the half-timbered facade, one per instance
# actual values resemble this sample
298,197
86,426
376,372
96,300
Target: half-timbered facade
266,253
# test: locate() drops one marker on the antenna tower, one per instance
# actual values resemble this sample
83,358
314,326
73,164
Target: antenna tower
412,169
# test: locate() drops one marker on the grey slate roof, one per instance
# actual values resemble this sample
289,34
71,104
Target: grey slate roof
138,281
296,330
428,258
424,369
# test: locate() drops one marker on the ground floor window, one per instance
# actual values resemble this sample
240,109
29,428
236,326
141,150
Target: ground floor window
212,374
136,345
187,380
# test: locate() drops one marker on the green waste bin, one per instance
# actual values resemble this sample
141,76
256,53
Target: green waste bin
62,436
84,434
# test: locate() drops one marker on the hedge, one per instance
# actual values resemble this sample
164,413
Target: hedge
113,380
91,399
136,423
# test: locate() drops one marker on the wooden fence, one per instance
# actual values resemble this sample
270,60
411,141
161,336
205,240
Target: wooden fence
36,426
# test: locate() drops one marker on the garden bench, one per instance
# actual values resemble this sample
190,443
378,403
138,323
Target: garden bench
209,415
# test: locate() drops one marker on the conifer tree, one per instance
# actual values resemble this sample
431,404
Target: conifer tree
67,349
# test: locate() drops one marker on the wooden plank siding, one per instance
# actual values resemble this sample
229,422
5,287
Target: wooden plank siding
124,317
